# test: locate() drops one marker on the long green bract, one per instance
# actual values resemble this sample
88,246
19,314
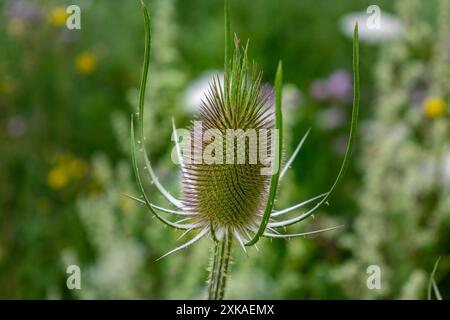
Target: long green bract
348,152
277,156
141,118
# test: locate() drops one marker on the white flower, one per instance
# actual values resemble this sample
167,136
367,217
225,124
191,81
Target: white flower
292,96
196,90
390,27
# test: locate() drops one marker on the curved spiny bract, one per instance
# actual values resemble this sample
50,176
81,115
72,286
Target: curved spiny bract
230,193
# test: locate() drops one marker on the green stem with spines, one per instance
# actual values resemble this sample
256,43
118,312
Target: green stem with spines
218,272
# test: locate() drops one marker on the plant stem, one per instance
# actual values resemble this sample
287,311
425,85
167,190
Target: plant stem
219,268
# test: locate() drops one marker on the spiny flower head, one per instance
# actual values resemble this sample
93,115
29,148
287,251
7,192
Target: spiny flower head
230,196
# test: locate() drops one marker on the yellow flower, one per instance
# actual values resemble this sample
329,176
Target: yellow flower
434,107
68,169
58,16
85,63
57,178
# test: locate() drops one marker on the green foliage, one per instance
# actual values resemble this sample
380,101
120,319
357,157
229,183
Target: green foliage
65,100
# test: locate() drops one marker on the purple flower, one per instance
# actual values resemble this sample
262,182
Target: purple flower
22,10
339,84
418,97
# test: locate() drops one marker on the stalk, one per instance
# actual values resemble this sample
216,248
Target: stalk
218,272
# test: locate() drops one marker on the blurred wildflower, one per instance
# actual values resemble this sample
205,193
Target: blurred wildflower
85,63
400,163
23,10
434,107
292,96
58,16
57,179
195,91
338,86
418,96
391,27
67,169
17,126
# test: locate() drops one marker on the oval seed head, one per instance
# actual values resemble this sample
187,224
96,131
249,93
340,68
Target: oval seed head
223,183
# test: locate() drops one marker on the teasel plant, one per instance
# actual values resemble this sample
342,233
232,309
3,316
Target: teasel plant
231,203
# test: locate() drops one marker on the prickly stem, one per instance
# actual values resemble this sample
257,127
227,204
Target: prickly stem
219,268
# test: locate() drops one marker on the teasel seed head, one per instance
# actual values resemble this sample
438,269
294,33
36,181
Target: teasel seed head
231,196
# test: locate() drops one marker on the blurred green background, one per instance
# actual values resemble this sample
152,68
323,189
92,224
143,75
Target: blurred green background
65,101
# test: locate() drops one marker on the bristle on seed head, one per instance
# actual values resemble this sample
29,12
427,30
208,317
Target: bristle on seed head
230,192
